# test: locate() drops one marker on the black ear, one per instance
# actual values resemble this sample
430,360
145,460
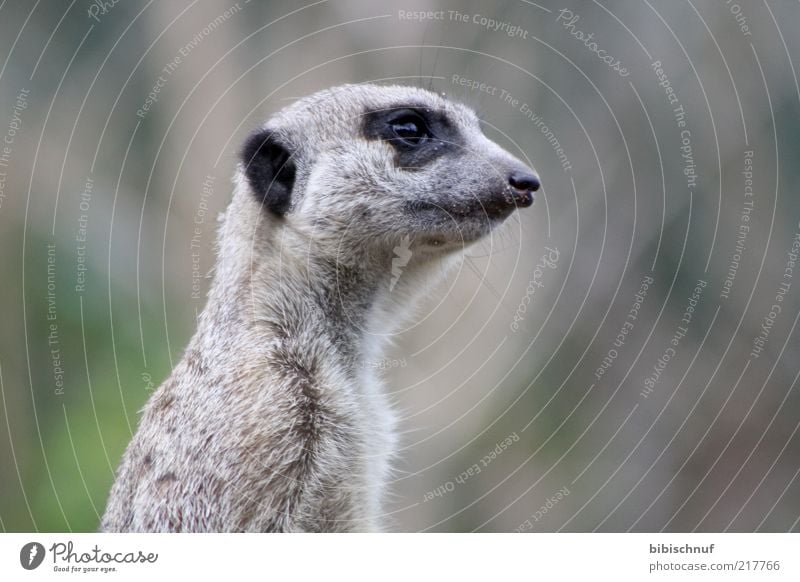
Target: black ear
269,170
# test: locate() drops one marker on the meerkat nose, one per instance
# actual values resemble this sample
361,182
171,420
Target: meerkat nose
524,181
523,184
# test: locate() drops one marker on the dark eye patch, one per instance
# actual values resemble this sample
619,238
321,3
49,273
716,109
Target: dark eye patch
419,135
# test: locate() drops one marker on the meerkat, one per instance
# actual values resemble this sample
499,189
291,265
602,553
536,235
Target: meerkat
274,419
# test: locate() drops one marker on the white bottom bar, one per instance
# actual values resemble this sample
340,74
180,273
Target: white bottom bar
389,557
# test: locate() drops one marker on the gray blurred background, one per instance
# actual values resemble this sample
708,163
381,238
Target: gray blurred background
667,137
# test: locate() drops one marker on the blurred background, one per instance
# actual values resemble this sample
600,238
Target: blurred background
623,356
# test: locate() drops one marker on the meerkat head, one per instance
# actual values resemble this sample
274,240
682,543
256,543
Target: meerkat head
359,168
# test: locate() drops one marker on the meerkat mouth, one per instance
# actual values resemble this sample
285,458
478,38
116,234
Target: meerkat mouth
498,206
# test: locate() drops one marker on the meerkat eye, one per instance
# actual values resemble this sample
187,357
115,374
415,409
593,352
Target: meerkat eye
410,129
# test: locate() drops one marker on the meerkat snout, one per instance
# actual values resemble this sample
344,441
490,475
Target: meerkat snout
275,419
519,194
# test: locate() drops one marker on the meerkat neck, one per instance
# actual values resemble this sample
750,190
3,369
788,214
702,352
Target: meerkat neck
294,295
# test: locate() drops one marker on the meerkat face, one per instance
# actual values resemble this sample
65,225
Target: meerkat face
365,166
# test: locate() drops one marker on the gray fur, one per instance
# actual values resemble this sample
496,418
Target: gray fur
274,419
